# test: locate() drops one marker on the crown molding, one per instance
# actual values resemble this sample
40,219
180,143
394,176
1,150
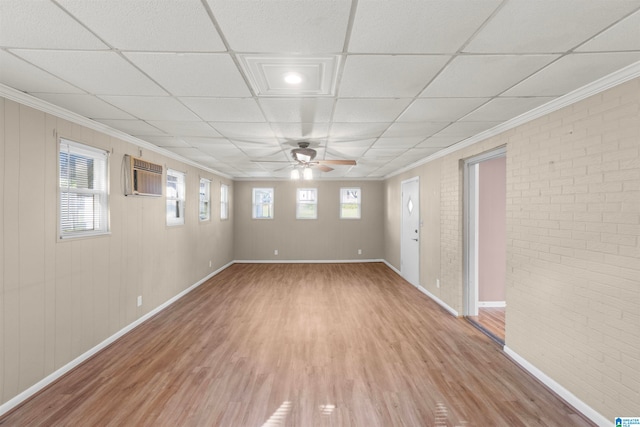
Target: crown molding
616,78
46,107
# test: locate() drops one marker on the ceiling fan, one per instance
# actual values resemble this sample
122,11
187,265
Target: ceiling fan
304,159
305,156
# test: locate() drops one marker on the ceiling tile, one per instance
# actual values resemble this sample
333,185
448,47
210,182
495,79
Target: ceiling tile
465,129
166,141
355,131
346,151
152,107
30,24
439,141
398,142
225,109
133,127
85,105
625,35
503,109
302,110
300,131
297,26
484,75
96,72
21,75
389,76
156,25
185,128
384,153
543,26
572,72
244,130
193,74
440,109
414,129
420,26
369,110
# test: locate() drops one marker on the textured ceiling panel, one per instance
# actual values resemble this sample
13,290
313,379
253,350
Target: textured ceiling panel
382,82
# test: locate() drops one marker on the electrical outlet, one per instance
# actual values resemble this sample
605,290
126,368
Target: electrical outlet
359,251
437,283
139,300
275,252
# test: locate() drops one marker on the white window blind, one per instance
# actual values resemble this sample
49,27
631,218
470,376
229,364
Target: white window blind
175,197
83,189
224,201
205,199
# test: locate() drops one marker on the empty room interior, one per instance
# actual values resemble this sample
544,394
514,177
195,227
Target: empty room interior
313,212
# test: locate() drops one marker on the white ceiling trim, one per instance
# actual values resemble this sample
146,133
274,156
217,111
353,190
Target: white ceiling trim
614,79
46,107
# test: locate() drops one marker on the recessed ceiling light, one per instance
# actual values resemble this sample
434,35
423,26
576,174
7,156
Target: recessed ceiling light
293,78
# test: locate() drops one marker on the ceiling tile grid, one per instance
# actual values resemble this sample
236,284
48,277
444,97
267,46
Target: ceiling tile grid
384,83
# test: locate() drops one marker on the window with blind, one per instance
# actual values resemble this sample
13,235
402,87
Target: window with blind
307,203
83,190
224,201
262,203
205,199
175,197
350,203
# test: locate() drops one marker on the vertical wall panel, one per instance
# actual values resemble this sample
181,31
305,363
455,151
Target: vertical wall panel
2,180
50,238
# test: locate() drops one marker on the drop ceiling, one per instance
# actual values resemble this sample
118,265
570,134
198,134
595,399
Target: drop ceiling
386,83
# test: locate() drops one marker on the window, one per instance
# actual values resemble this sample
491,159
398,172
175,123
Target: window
205,199
262,203
224,201
307,203
350,203
175,197
83,183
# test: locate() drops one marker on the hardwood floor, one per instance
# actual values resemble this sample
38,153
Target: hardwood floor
492,320
299,345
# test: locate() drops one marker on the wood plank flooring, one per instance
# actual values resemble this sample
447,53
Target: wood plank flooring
492,320
299,345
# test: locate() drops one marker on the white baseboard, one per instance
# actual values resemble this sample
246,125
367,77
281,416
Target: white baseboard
565,394
303,261
438,300
492,304
18,399
426,292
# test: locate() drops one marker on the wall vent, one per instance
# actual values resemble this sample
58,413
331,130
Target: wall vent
141,178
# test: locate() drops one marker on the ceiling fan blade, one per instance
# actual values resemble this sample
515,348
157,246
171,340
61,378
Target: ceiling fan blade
323,168
337,162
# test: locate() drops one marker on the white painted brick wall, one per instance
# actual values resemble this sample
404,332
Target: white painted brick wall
574,248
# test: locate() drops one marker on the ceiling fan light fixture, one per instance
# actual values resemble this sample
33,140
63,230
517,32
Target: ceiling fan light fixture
307,174
295,174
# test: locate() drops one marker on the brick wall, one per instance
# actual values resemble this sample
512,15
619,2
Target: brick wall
573,226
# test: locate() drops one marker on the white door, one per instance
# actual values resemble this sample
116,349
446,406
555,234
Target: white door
410,238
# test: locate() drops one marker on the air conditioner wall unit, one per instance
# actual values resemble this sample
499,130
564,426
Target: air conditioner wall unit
141,178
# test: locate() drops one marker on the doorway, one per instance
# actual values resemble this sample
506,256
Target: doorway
410,232
485,242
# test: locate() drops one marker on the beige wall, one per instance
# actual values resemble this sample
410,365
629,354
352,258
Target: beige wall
327,238
573,245
59,299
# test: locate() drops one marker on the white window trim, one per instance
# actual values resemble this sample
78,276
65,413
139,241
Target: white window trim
208,218
359,203
272,204
181,200
298,203
104,199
